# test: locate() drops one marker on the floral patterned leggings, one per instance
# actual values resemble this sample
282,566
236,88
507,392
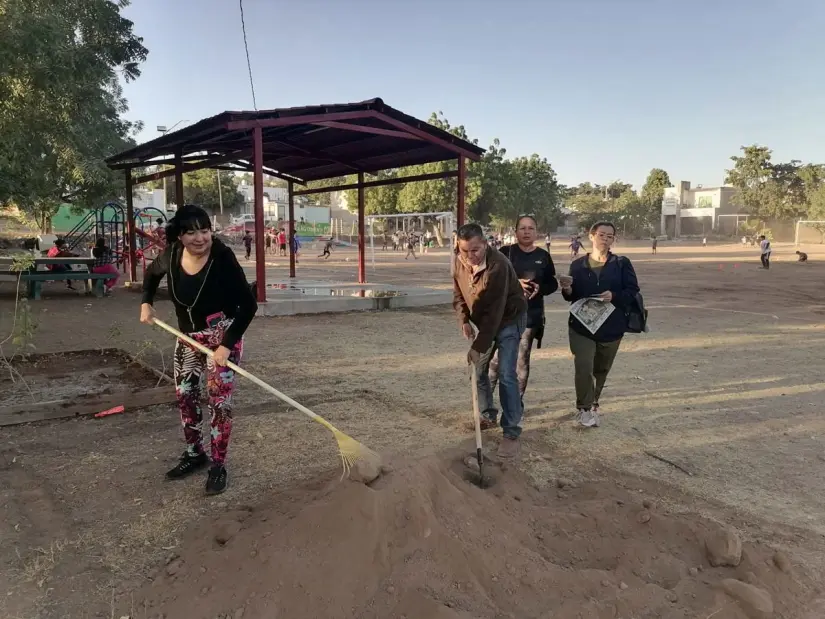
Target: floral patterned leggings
191,367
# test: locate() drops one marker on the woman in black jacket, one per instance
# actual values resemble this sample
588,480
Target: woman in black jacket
612,279
537,276
214,305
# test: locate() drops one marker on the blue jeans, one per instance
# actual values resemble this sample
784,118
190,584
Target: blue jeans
507,344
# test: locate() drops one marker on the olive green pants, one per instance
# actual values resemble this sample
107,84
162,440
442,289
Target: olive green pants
592,361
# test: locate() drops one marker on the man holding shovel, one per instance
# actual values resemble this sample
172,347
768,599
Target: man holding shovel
491,310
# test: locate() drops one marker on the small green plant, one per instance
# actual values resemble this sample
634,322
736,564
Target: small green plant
23,325
21,262
111,335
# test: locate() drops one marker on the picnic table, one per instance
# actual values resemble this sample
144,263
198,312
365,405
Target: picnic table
39,273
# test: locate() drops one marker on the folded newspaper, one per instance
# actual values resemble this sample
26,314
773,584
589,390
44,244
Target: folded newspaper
591,312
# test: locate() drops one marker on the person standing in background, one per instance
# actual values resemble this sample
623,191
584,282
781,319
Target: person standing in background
655,245
547,242
282,242
765,248
247,243
411,241
537,277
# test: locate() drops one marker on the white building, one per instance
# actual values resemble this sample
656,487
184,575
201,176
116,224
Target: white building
143,198
694,211
276,205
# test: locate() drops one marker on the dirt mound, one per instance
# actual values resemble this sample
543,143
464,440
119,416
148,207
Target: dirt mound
424,543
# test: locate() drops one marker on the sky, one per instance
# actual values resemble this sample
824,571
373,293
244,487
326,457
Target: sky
604,89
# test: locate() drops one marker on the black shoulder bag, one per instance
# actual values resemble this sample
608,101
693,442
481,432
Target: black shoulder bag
636,313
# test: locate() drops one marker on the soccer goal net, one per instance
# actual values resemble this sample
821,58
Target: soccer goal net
809,231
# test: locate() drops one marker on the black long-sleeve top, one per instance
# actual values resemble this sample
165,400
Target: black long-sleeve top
538,267
219,287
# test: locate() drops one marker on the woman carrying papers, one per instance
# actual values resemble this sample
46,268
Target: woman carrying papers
601,287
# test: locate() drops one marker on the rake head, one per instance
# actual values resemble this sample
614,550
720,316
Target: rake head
354,454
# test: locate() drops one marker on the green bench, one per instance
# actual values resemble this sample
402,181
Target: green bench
34,280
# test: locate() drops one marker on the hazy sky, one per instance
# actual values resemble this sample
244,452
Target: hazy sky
604,89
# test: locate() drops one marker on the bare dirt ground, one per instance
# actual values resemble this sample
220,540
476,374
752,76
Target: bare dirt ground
727,386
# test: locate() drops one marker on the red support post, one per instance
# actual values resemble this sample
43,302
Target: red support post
462,182
258,180
362,254
178,179
130,226
291,205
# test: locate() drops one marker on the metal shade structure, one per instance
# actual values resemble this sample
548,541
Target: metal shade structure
297,145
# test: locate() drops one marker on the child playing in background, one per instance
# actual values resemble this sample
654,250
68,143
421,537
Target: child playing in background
58,250
104,263
327,249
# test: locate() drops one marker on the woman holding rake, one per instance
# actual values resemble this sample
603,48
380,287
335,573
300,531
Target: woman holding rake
214,306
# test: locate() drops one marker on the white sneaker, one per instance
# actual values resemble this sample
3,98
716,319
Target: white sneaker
588,419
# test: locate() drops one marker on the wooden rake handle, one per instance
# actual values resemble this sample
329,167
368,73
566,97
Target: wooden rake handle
281,396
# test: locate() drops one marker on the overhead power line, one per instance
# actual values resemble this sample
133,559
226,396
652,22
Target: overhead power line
248,63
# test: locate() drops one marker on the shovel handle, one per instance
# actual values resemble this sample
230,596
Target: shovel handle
476,413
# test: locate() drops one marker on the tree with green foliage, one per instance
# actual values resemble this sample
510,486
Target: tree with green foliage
488,183
750,176
533,188
784,190
201,187
437,195
813,181
653,191
764,188
61,102
588,202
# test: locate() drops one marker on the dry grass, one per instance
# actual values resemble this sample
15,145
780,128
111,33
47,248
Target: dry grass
37,567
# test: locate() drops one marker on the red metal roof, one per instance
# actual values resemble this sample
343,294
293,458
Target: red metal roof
308,143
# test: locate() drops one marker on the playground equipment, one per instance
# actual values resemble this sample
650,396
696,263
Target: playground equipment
109,223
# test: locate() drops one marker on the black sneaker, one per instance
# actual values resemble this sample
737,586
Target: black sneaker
216,481
187,465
